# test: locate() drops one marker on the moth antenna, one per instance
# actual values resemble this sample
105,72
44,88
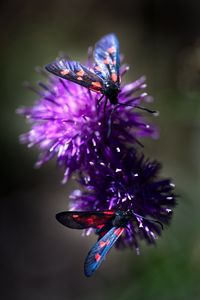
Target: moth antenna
153,112
105,104
89,60
63,54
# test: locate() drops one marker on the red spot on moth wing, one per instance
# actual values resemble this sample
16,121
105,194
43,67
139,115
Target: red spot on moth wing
114,77
97,257
118,231
107,61
88,220
111,49
80,73
96,84
100,226
109,212
103,244
91,220
95,90
75,216
98,68
64,72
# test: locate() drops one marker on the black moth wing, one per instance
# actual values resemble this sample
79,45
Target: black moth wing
76,72
83,220
106,56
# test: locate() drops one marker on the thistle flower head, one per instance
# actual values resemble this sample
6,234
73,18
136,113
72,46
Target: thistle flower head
69,123
125,181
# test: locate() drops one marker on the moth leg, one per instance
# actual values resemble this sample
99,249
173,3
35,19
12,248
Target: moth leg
99,101
110,122
105,104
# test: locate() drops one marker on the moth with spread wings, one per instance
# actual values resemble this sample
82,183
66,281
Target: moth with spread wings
109,226
104,78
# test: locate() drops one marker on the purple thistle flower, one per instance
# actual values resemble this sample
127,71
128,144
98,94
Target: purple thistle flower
122,181
68,122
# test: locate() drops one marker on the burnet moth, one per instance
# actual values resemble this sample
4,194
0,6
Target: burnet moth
103,78
109,226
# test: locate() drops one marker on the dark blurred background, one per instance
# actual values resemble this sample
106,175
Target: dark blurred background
40,259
